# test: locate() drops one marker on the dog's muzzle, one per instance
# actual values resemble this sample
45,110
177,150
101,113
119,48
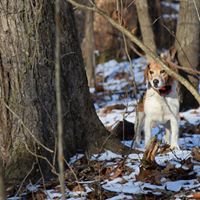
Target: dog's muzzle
155,83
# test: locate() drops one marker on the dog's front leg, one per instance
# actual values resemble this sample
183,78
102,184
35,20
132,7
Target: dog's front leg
139,122
174,134
147,130
167,132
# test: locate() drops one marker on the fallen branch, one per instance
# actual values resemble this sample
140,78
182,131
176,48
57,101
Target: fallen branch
146,49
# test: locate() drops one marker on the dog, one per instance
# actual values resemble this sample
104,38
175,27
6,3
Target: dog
159,105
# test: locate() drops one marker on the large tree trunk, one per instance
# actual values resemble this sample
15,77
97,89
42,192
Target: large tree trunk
145,25
188,46
27,45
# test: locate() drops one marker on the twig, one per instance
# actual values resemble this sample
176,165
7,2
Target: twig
20,187
59,100
146,49
135,50
186,69
25,127
195,5
75,176
178,42
42,157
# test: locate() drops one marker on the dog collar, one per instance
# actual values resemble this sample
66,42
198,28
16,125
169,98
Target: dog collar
165,90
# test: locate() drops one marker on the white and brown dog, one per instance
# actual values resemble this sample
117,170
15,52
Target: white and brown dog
160,105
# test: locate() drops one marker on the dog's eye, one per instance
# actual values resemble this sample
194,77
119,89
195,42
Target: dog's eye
151,72
162,71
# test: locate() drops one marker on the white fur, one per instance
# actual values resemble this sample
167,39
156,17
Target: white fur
160,110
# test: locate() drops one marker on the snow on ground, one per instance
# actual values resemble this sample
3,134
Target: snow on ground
175,6
114,102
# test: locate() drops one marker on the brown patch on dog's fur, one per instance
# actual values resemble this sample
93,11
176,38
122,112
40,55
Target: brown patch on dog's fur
157,68
140,105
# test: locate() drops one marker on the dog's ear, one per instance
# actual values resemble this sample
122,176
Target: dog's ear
146,73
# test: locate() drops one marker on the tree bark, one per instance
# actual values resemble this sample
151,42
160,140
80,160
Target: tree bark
2,184
88,48
145,25
187,45
27,76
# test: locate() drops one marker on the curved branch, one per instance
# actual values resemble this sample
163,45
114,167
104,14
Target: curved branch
146,49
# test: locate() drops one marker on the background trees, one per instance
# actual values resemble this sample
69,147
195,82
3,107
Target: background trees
146,25
187,46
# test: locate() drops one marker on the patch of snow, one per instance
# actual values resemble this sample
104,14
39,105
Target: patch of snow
176,186
120,197
51,194
192,116
175,6
92,90
32,188
170,16
107,155
76,157
174,155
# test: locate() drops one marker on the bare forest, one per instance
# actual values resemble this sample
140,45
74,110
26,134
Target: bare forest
99,99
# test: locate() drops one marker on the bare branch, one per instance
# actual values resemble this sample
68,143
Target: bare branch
25,127
59,100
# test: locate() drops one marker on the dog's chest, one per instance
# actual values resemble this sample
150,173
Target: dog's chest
161,108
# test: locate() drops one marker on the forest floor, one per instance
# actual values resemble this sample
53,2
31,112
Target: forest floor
111,176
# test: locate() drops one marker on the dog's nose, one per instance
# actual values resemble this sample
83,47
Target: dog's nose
156,81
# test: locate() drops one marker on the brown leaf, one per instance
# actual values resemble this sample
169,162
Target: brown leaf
106,171
194,196
148,160
117,172
40,195
196,153
99,88
78,188
108,109
121,75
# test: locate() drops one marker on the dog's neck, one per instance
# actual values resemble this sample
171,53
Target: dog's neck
163,91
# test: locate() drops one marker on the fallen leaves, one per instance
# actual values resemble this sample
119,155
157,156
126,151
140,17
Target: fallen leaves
153,173
196,153
194,196
108,109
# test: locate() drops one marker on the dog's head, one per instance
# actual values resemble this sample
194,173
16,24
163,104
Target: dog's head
156,76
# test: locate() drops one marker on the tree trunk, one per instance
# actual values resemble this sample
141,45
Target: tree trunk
187,45
2,184
27,76
145,25
88,48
